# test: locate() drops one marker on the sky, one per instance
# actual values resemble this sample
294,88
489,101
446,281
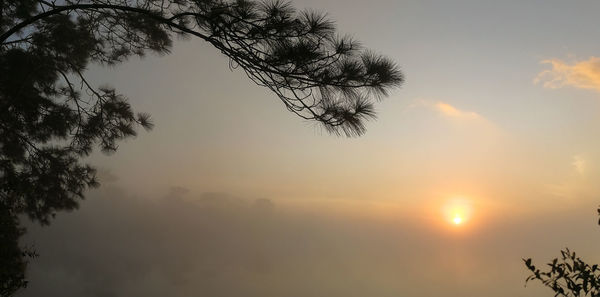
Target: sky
231,195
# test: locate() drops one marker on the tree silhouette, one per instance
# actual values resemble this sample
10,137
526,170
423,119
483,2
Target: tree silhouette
568,276
51,115
13,258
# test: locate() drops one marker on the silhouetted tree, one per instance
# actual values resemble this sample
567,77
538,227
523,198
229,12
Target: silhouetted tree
568,276
51,115
12,257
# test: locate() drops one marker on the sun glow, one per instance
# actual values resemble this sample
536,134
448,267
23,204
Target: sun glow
457,220
457,211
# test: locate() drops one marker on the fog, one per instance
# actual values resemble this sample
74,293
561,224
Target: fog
214,244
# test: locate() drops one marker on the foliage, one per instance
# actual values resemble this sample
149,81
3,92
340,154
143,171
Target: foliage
51,116
568,276
12,257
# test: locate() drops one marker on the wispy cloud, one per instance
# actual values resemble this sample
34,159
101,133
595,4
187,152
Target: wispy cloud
446,109
579,164
578,182
581,74
451,111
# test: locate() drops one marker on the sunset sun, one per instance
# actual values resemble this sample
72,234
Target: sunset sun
457,220
457,211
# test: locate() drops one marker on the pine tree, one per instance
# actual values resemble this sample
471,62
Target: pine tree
51,115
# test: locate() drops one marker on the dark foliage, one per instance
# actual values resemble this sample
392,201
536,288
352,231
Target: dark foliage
12,257
568,276
51,115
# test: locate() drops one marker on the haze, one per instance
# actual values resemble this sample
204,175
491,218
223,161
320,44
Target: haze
230,195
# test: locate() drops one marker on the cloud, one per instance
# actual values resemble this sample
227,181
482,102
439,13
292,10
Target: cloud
582,74
451,111
446,109
579,182
579,163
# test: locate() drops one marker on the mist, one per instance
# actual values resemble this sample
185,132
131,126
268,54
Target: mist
214,244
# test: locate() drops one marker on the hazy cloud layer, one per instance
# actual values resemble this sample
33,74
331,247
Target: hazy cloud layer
580,181
579,163
219,245
581,74
446,109
452,111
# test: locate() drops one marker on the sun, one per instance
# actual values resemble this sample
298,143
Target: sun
457,220
457,211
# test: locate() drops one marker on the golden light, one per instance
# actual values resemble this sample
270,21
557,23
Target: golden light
457,211
457,220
